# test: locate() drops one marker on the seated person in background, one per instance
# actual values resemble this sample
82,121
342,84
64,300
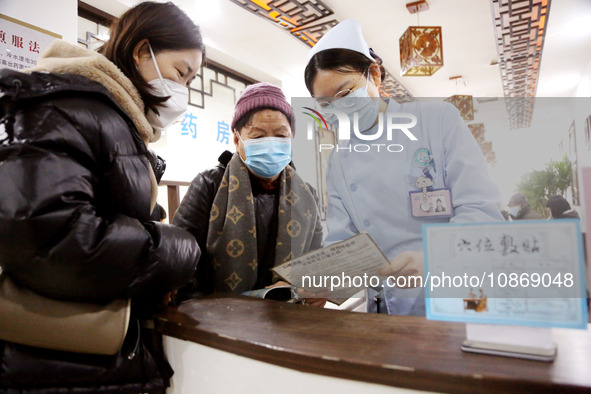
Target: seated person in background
560,208
252,211
519,208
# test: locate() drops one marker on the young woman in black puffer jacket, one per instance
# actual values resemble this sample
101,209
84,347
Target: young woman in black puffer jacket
78,187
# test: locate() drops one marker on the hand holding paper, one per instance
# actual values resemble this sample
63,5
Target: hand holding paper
312,299
339,270
278,284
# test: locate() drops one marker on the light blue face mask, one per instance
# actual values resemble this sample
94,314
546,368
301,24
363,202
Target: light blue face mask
268,156
358,102
514,210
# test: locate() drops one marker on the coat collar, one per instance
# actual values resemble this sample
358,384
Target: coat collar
62,57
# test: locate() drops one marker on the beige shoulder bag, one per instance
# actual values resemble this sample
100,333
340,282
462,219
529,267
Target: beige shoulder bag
30,319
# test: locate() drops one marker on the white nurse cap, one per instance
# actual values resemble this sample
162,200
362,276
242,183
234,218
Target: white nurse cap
345,35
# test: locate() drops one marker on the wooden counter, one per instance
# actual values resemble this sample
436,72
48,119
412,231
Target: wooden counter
402,351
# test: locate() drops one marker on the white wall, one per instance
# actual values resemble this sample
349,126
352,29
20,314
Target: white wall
581,112
584,86
57,16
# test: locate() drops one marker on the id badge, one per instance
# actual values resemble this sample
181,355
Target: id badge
431,204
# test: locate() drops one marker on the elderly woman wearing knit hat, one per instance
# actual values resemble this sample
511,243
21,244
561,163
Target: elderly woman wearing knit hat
252,211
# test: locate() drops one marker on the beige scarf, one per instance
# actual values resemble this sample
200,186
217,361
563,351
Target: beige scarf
62,57
231,237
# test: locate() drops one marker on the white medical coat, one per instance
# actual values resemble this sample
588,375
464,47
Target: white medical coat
369,191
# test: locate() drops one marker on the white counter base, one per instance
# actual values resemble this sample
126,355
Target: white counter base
201,369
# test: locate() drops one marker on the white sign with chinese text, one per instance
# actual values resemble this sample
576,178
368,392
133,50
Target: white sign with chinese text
526,273
22,43
194,143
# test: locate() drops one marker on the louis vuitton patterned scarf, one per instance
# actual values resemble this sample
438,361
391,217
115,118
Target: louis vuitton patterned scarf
231,237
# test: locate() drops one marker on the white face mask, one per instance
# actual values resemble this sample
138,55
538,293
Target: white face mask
514,210
173,108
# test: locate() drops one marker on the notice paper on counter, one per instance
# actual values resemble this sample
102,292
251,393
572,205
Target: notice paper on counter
338,271
529,272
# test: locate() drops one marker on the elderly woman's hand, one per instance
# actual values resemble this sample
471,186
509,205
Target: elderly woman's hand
168,299
317,299
278,283
312,299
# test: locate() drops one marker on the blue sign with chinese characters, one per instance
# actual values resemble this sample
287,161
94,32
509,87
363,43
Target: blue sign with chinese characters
188,127
223,133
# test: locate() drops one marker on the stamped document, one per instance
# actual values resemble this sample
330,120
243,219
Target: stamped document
338,271
529,272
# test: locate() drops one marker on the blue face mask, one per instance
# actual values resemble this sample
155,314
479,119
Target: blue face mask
357,101
268,156
514,210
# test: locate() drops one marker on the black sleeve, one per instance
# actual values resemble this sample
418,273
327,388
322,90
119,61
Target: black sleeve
193,216
194,210
53,239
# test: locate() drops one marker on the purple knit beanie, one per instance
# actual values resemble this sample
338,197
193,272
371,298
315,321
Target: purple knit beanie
262,96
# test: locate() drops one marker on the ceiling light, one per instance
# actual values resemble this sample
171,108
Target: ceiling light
421,48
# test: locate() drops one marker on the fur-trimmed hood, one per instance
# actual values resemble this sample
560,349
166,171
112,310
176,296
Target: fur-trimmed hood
62,57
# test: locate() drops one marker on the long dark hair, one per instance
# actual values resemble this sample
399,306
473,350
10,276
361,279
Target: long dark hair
340,60
165,26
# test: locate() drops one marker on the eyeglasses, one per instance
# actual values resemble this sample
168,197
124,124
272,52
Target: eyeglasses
326,101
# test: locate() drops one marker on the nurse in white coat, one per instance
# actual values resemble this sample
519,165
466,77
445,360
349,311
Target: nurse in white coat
374,175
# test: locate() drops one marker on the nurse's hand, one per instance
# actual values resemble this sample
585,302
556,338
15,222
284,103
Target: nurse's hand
407,264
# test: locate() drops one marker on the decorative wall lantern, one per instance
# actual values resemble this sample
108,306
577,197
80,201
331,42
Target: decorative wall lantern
464,103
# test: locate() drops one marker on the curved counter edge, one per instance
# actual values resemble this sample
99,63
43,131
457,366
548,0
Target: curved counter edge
400,351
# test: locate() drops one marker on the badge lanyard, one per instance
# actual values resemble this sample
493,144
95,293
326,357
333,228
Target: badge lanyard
428,202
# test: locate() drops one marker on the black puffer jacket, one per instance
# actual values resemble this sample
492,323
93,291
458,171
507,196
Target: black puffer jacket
75,194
